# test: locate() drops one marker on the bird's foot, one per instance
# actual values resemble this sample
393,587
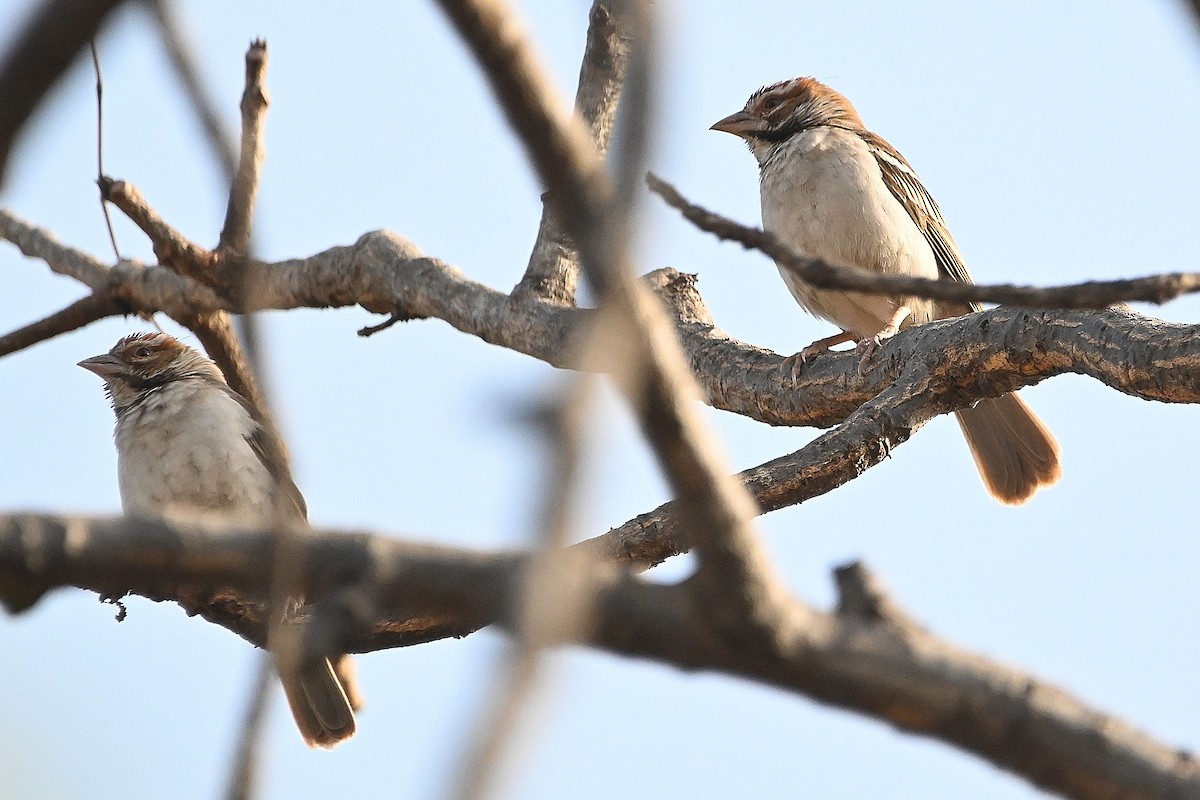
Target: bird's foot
792,365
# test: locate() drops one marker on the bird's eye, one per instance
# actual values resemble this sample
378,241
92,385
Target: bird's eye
142,352
771,103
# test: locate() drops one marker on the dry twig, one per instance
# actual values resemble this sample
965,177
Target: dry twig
1091,294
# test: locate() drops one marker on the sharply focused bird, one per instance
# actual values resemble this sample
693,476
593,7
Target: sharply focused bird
832,190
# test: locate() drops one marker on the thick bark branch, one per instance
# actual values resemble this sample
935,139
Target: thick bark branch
1010,348
869,656
1130,352
737,584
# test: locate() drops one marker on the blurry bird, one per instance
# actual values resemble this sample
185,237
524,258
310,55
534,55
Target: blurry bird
189,446
832,190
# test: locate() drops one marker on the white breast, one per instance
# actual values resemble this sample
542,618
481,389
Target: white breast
184,451
823,195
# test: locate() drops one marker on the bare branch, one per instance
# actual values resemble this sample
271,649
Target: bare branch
171,247
39,56
220,141
896,671
239,216
555,140
1132,353
1090,294
244,774
112,235
737,582
554,601
552,272
187,71
82,312
41,244
869,657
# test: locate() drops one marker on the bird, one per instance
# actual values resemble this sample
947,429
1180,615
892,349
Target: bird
189,446
832,190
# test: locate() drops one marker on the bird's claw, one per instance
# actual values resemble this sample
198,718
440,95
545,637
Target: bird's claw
867,348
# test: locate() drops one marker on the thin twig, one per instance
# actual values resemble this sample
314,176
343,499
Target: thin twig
38,56
112,235
1090,294
371,330
239,214
554,599
220,141
243,776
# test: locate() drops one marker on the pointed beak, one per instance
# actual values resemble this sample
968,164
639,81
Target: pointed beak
106,366
740,124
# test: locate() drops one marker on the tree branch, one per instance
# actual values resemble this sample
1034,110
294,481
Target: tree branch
1090,294
1130,352
868,656
239,214
39,56
737,583
552,272
79,314
41,244
171,248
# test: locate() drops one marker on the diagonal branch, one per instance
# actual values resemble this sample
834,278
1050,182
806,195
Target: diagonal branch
171,248
41,244
1090,294
39,56
736,582
82,312
187,71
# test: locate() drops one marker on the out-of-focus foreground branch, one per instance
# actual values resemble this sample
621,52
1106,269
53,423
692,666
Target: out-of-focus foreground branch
866,656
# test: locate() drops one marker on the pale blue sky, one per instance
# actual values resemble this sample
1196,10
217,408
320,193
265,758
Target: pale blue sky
1058,139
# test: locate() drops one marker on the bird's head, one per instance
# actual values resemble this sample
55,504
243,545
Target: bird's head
778,112
142,362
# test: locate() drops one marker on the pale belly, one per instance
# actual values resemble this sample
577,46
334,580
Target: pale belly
194,462
832,208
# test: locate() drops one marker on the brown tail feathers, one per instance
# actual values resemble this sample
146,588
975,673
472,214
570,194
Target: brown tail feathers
1014,451
320,704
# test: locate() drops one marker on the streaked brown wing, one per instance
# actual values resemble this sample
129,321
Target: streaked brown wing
267,448
906,187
